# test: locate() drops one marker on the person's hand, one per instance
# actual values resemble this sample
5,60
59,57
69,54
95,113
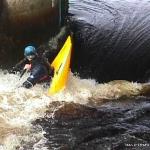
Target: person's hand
27,84
27,67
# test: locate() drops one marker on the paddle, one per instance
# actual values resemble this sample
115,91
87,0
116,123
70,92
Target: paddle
26,68
22,73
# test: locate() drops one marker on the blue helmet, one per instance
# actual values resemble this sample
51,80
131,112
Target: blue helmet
29,50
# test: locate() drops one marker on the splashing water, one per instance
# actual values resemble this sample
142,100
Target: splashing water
20,106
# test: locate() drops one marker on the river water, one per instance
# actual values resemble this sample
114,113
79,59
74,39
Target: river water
87,115
81,114
113,38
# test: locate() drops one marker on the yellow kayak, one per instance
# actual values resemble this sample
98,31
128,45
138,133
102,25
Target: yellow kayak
61,65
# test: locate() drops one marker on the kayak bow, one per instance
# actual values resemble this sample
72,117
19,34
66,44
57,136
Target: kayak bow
61,65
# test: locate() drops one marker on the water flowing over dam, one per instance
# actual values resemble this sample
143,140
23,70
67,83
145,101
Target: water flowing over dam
113,38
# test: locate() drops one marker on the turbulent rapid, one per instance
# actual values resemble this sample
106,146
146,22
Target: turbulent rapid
28,115
19,107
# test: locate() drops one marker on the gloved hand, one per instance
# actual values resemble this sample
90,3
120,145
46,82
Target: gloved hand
27,84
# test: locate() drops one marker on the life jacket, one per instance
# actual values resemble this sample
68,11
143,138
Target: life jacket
45,78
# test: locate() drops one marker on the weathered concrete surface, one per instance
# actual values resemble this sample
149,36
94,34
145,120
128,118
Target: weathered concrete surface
25,14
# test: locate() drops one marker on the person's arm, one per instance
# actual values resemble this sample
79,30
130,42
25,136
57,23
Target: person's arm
19,66
49,67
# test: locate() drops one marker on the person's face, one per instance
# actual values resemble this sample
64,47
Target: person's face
30,57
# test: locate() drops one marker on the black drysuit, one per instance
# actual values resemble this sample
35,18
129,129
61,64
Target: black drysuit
40,71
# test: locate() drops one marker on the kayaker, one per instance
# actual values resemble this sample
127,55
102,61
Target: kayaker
40,70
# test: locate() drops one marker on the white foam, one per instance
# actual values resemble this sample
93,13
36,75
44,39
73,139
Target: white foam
20,106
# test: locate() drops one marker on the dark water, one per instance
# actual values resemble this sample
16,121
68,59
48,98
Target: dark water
113,38
113,125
